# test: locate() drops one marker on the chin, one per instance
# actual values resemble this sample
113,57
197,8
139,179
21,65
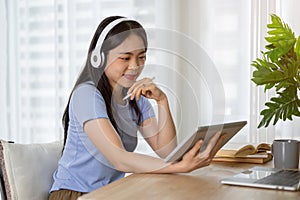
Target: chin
126,83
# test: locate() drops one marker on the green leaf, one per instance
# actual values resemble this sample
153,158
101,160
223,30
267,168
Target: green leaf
282,107
263,75
280,75
297,48
279,67
281,38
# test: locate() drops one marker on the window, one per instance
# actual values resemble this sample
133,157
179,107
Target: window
46,42
47,51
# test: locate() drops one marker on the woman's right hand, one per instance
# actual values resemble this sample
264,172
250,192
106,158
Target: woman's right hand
193,160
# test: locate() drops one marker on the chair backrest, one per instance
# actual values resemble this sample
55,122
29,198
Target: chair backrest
2,188
28,168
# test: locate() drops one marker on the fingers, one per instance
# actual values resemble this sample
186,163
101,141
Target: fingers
213,141
138,84
215,144
140,87
190,156
193,159
195,150
218,144
146,88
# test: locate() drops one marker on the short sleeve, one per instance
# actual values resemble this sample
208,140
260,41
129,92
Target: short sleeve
87,103
146,108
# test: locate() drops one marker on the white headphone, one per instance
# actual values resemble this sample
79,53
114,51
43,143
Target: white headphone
96,56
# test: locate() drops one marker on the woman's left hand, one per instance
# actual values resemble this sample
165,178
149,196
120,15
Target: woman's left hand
147,88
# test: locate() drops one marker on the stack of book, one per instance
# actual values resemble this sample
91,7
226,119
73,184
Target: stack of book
247,154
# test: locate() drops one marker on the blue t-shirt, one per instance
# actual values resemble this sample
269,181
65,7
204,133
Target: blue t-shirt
82,167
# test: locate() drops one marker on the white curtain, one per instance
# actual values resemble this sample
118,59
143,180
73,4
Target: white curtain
219,29
288,10
3,68
47,46
200,53
233,35
261,11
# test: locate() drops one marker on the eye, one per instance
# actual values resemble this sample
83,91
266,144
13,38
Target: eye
143,57
124,58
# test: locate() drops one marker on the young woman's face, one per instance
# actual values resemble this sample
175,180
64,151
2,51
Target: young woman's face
125,62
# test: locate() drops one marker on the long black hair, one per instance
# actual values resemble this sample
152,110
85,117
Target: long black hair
97,75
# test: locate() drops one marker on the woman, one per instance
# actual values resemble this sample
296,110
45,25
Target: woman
101,126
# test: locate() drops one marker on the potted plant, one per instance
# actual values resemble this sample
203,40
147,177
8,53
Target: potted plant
279,68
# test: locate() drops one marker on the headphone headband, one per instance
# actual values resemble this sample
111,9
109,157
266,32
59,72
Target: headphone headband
96,55
106,30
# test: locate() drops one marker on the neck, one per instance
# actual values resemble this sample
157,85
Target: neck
117,94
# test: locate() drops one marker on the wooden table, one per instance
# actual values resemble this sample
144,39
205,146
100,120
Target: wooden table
201,184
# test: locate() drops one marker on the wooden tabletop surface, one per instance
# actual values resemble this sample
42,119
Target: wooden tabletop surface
203,183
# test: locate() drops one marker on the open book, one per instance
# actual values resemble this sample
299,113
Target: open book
248,153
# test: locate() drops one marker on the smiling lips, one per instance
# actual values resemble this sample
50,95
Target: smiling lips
130,77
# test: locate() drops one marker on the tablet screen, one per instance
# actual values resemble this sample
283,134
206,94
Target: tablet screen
205,133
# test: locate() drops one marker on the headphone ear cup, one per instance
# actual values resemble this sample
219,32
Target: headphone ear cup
96,58
102,59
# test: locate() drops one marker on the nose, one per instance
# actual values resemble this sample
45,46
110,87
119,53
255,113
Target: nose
133,65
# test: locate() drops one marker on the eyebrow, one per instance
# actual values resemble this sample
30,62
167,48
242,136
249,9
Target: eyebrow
129,53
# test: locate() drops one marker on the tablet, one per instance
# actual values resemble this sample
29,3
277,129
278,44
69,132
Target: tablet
205,133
